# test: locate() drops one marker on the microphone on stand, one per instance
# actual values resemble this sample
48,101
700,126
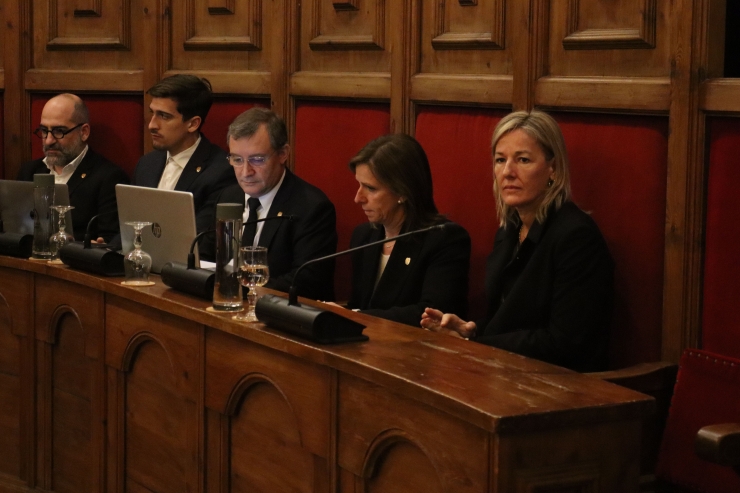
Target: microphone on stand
198,282
315,324
100,260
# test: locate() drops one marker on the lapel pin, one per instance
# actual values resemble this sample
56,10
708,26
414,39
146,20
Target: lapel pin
280,213
83,175
408,260
197,170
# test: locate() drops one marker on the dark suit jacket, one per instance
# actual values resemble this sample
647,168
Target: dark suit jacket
560,292
291,243
92,190
426,270
205,176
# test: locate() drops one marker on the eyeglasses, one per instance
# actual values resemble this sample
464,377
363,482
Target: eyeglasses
256,161
57,132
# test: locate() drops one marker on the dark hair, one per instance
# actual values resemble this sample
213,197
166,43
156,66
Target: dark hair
247,124
399,162
192,94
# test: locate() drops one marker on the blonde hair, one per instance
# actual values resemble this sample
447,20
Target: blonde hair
545,130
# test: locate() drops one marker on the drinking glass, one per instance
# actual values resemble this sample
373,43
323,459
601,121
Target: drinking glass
137,263
61,237
254,272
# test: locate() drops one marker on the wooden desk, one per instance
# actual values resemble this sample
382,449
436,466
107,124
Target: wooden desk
109,389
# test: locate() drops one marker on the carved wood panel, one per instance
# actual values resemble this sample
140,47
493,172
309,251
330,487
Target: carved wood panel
74,40
10,378
16,375
624,38
69,331
345,36
157,398
267,417
465,37
228,41
383,437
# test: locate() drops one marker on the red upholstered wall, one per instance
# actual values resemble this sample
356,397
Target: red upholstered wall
619,174
457,142
116,127
223,112
720,324
327,136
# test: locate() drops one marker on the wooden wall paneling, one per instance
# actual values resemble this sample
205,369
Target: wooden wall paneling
17,425
529,50
465,52
391,442
269,417
337,44
16,101
284,62
156,29
685,194
608,55
87,48
226,42
71,387
159,397
404,47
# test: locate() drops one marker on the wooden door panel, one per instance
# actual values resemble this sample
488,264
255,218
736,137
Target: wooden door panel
391,472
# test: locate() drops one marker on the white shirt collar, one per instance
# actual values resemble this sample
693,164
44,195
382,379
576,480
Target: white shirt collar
68,169
181,159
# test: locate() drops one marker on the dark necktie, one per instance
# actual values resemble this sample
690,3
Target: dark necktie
251,229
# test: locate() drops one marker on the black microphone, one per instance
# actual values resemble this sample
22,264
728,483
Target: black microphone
198,282
82,256
315,324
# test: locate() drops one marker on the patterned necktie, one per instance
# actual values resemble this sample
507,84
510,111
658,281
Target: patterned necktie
251,229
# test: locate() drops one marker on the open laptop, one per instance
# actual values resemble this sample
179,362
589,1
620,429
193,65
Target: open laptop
172,215
16,204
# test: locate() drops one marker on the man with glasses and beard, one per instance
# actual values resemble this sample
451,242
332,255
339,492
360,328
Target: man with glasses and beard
91,179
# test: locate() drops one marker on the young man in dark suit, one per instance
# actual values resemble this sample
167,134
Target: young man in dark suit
90,178
183,158
258,152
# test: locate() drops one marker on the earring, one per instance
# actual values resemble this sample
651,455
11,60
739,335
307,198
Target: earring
549,183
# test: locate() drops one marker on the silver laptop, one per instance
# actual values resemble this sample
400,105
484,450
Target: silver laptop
172,215
16,204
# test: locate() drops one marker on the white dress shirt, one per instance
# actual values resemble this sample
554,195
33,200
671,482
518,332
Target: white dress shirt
68,170
175,165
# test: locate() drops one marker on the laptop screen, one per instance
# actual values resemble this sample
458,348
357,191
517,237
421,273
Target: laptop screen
172,215
16,205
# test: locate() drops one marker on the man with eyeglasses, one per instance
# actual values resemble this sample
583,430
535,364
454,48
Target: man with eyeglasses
183,158
91,179
258,152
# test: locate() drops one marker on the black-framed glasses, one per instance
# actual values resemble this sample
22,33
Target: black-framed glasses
57,132
256,161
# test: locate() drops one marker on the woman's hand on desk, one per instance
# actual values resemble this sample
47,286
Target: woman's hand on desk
447,323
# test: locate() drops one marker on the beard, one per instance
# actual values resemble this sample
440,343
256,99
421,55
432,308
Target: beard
62,155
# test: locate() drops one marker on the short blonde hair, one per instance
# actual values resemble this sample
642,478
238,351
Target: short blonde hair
545,130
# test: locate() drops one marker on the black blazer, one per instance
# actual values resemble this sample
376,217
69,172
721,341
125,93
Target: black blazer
205,176
291,243
92,190
560,292
426,270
